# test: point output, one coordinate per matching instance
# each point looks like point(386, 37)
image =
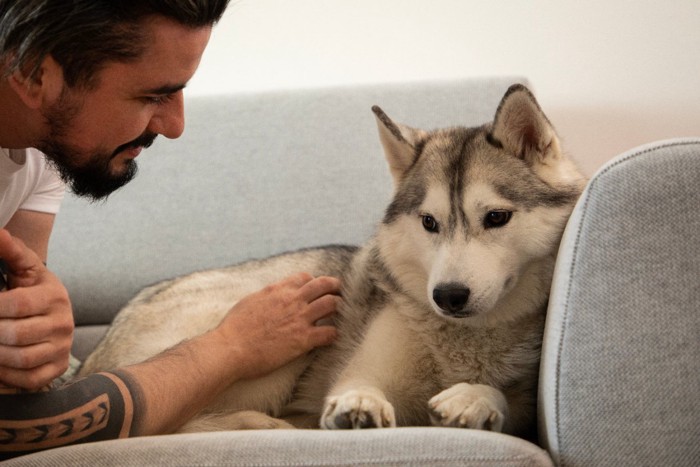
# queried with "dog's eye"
point(496, 219)
point(430, 224)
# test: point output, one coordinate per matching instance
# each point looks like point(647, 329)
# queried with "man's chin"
point(97, 185)
point(100, 175)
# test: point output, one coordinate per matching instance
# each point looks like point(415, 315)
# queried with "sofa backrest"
point(253, 175)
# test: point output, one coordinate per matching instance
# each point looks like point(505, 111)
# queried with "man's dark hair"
point(84, 35)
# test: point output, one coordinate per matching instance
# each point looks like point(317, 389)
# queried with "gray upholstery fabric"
point(620, 380)
point(86, 338)
point(253, 175)
point(385, 447)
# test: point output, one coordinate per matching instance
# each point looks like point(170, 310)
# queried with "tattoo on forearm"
point(135, 407)
point(98, 407)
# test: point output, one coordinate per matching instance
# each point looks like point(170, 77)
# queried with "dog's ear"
point(399, 142)
point(522, 129)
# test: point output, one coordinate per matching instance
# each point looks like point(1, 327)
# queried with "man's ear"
point(43, 86)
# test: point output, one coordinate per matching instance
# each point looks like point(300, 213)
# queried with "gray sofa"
point(258, 174)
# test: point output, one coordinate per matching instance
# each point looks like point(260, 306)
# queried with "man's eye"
point(159, 100)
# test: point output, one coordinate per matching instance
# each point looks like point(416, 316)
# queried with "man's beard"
point(94, 178)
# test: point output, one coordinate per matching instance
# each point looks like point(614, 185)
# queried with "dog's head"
point(476, 211)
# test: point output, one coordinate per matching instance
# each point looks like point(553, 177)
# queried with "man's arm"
point(95, 408)
point(259, 334)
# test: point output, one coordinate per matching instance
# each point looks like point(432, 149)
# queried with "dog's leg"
point(302, 420)
point(469, 406)
point(376, 374)
point(243, 420)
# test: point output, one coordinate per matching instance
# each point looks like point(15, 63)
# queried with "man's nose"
point(169, 118)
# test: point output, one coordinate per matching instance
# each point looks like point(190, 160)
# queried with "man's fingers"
point(32, 330)
point(21, 303)
point(299, 279)
point(323, 307)
point(15, 254)
point(33, 379)
point(319, 287)
point(16, 303)
point(26, 357)
point(322, 335)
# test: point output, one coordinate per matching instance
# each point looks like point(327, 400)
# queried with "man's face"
point(93, 136)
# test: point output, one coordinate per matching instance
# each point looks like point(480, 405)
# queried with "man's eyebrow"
point(166, 89)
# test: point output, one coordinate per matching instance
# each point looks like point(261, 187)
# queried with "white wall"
point(611, 74)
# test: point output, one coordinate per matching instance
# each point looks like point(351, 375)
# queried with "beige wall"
point(611, 74)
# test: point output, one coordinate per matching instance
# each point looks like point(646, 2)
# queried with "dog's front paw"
point(469, 406)
point(358, 408)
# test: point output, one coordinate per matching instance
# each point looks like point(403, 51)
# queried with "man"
point(90, 84)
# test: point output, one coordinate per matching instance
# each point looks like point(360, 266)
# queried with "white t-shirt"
point(27, 182)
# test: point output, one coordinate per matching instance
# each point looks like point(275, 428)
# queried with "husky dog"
point(443, 308)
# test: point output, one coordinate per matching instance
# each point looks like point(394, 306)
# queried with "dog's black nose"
point(451, 298)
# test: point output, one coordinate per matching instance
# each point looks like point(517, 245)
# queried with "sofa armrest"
point(619, 383)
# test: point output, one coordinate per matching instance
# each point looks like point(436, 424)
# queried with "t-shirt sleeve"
point(48, 191)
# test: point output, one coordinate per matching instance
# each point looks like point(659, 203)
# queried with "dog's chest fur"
point(495, 355)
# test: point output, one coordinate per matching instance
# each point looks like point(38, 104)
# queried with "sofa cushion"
point(386, 447)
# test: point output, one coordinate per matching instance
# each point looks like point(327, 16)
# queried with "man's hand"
point(36, 319)
point(280, 322)
point(259, 334)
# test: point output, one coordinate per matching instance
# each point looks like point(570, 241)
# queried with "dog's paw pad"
point(469, 406)
point(366, 408)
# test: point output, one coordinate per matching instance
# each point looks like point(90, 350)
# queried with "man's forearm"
point(178, 383)
point(260, 333)
point(99, 407)
point(153, 397)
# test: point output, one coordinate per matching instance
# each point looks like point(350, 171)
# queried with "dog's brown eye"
point(495, 219)
point(430, 224)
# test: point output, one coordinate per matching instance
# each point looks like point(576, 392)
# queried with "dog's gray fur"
point(443, 308)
